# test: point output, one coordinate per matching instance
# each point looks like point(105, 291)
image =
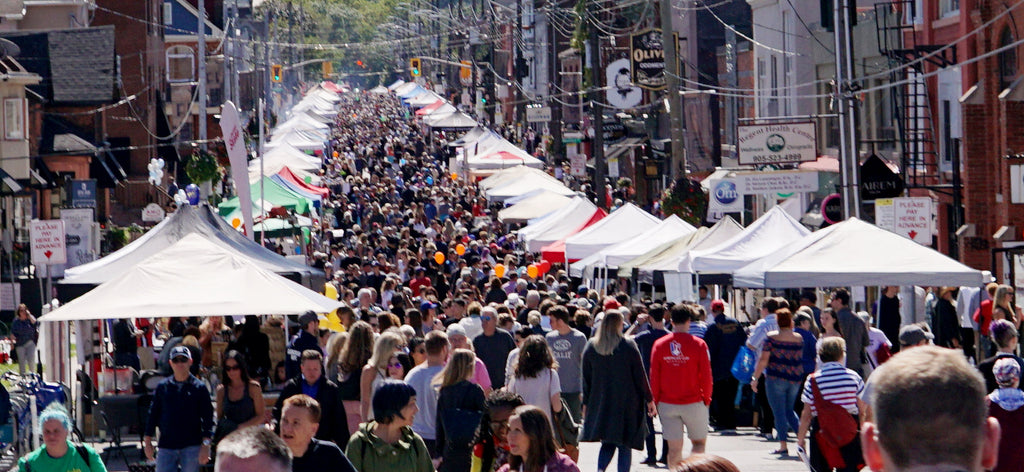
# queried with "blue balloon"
point(192, 192)
point(430, 180)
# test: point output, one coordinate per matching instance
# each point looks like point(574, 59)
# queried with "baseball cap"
point(1006, 371)
point(427, 305)
point(611, 304)
point(717, 305)
point(181, 351)
point(457, 330)
point(913, 334)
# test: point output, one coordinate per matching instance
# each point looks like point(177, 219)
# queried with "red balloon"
point(465, 238)
point(545, 266)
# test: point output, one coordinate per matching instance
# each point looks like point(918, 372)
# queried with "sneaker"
point(650, 461)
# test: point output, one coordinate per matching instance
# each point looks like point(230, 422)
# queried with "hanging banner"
point(647, 59)
point(621, 93)
point(234, 141)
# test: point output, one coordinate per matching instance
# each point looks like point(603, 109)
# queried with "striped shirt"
point(760, 333)
point(698, 329)
point(838, 385)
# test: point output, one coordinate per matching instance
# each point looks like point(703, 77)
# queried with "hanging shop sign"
point(777, 142)
point(621, 93)
point(647, 59)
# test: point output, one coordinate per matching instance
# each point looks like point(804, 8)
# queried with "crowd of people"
point(443, 363)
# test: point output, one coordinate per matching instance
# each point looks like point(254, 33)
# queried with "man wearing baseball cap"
point(308, 338)
point(182, 410)
point(914, 335)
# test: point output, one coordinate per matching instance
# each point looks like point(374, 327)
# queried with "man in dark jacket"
point(334, 424)
point(308, 338)
point(182, 410)
point(724, 338)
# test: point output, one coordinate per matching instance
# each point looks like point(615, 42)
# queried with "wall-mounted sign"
point(783, 182)
point(779, 142)
point(724, 197)
point(538, 114)
point(877, 180)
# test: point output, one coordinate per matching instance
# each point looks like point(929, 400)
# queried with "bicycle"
point(31, 396)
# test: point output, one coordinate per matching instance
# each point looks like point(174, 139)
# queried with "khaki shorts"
point(693, 416)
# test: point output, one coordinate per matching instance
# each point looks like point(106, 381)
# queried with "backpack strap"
point(82, 451)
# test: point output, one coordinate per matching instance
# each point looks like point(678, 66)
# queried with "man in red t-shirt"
point(681, 384)
point(983, 318)
point(419, 281)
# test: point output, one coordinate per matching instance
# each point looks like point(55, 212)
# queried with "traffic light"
point(275, 72)
point(414, 67)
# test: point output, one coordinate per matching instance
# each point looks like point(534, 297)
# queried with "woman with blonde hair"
point(460, 405)
point(1003, 307)
point(357, 350)
point(335, 345)
point(376, 370)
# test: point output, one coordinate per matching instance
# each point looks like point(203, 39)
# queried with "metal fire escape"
point(897, 40)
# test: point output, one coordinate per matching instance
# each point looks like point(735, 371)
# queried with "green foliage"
point(202, 167)
point(686, 199)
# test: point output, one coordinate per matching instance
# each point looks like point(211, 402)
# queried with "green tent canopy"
point(273, 193)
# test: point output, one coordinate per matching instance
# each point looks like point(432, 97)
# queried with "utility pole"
point(598, 120)
point(517, 62)
point(553, 68)
point(201, 31)
point(844, 97)
point(677, 161)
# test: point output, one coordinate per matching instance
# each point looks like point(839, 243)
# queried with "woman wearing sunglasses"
point(239, 398)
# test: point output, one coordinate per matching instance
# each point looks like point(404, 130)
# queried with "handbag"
point(566, 429)
point(743, 365)
point(836, 427)
point(460, 425)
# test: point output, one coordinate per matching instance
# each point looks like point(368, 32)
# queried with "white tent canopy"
point(667, 259)
point(771, 232)
point(510, 174)
point(539, 204)
point(624, 223)
point(558, 225)
point(424, 99)
point(855, 253)
point(526, 184)
point(470, 136)
point(193, 277)
point(670, 229)
point(456, 119)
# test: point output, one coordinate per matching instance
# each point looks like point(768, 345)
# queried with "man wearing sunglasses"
point(183, 411)
point(493, 346)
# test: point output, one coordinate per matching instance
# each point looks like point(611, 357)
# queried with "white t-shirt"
point(537, 391)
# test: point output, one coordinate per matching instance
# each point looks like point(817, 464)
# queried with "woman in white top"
point(536, 376)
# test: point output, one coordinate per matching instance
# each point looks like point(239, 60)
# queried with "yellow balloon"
point(439, 257)
point(330, 291)
point(460, 249)
point(499, 270)
point(235, 223)
point(532, 271)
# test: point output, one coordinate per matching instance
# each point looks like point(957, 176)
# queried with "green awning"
point(273, 193)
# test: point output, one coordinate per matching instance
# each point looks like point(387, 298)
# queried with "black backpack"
point(81, 451)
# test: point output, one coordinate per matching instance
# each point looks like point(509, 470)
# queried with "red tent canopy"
point(287, 174)
point(430, 108)
point(555, 252)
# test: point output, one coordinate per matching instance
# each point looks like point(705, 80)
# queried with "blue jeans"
point(169, 460)
point(782, 398)
point(604, 456)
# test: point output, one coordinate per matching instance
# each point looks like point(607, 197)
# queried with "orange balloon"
point(499, 270)
point(455, 176)
point(235, 222)
point(335, 153)
point(532, 271)
point(439, 257)
point(460, 249)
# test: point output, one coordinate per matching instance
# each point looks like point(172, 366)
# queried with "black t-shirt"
point(322, 455)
